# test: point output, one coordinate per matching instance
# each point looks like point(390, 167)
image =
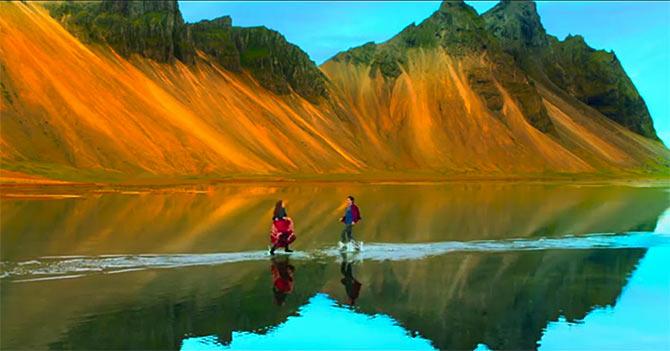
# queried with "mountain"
point(156, 30)
point(119, 90)
point(81, 110)
point(595, 77)
point(459, 31)
point(277, 65)
point(451, 84)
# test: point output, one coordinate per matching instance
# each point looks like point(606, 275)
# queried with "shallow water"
point(458, 266)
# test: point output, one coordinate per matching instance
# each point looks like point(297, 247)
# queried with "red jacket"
point(282, 232)
point(355, 214)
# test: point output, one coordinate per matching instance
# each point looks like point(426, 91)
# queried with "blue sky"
point(638, 32)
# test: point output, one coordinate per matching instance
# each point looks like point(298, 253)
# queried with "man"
point(351, 216)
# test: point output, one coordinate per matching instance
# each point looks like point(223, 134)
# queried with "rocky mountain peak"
point(135, 8)
point(455, 26)
point(516, 24)
point(153, 29)
point(156, 29)
point(448, 5)
point(457, 15)
point(595, 77)
point(275, 63)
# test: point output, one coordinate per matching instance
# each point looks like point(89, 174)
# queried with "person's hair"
point(350, 198)
point(278, 209)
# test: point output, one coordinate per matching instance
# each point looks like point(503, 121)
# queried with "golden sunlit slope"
point(81, 112)
point(89, 108)
point(432, 117)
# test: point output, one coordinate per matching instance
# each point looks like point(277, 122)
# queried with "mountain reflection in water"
point(321, 325)
point(469, 266)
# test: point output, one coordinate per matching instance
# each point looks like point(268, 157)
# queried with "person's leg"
point(349, 229)
point(284, 241)
point(344, 236)
point(272, 250)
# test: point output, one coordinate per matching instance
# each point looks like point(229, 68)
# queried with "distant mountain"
point(118, 90)
point(595, 77)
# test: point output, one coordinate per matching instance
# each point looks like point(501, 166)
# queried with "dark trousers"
point(347, 234)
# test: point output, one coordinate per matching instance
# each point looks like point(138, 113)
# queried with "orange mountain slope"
point(431, 118)
point(76, 111)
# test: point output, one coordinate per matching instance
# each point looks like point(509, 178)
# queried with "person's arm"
point(357, 215)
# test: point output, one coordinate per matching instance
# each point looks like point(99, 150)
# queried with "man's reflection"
point(351, 285)
point(282, 278)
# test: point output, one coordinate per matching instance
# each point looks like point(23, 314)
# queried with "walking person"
point(352, 215)
point(282, 233)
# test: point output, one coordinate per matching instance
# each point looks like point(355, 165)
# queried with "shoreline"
point(35, 182)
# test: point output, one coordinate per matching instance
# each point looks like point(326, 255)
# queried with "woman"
point(282, 233)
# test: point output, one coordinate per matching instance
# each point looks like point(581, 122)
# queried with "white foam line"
point(49, 278)
point(29, 262)
point(384, 251)
point(66, 265)
point(125, 270)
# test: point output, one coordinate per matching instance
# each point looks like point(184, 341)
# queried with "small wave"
point(28, 262)
point(126, 270)
point(49, 278)
point(55, 267)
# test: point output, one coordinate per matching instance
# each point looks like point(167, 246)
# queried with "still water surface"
point(444, 266)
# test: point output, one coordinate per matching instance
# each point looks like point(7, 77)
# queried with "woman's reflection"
point(351, 285)
point(282, 278)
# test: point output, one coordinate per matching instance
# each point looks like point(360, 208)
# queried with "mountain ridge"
point(601, 81)
point(164, 36)
point(425, 104)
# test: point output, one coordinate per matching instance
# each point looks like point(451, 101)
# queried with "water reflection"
point(226, 218)
point(503, 300)
point(440, 270)
point(320, 325)
point(638, 320)
point(351, 285)
point(457, 301)
point(282, 278)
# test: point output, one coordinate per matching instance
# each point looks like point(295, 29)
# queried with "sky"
point(638, 32)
